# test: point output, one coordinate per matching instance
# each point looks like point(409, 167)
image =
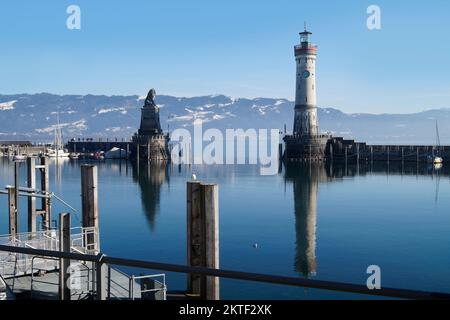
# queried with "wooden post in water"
point(31, 183)
point(12, 205)
point(203, 237)
point(403, 154)
point(64, 264)
point(45, 188)
point(417, 154)
point(16, 195)
point(89, 202)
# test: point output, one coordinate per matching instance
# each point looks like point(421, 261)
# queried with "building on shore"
point(19, 148)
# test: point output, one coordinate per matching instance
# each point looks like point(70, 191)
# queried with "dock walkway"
point(35, 277)
point(44, 286)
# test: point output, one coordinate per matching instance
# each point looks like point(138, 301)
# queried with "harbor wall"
point(341, 150)
point(97, 146)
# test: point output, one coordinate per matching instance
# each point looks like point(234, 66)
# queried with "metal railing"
point(127, 290)
point(309, 46)
point(237, 275)
point(145, 290)
point(83, 241)
point(115, 286)
point(5, 293)
point(79, 291)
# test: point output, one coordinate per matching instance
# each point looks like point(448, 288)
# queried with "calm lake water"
point(327, 223)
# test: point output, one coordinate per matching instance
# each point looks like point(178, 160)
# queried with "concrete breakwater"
point(96, 146)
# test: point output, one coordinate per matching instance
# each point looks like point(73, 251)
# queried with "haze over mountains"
point(34, 117)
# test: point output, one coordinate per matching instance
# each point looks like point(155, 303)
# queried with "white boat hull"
point(19, 158)
point(57, 154)
point(435, 160)
point(64, 155)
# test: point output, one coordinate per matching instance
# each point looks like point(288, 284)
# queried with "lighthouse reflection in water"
point(305, 180)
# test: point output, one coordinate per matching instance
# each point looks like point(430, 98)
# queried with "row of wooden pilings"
point(89, 209)
point(202, 209)
point(89, 202)
point(32, 195)
point(202, 235)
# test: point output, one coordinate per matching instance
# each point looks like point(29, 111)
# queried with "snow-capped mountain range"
point(34, 117)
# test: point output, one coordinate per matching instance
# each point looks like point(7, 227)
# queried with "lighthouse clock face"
point(306, 74)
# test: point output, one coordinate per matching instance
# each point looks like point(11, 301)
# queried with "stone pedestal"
point(306, 148)
point(153, 148)
point(149, 142)
point(149, 121)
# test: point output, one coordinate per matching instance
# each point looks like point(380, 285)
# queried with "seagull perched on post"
point(194, 177)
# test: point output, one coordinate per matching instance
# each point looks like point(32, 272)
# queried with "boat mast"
point(438, 139)
point(55, 139)
point(58, 133)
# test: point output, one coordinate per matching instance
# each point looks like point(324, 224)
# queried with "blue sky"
point(236, 48)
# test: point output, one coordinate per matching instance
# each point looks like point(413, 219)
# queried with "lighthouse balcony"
point(308, 138)
point(305, 48)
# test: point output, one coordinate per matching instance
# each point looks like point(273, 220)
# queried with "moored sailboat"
point(434, 157)
point(57, 150)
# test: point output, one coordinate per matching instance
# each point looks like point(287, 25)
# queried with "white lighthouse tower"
point(306, 143)
point(305, 121)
